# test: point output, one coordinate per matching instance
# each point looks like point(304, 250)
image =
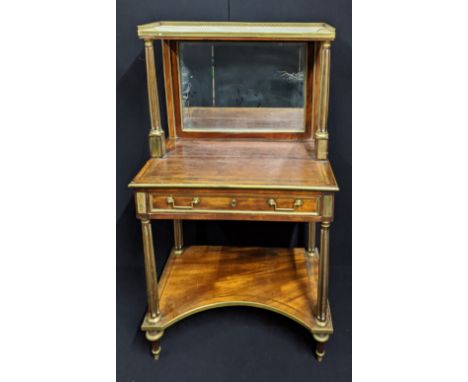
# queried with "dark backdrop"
point(236, 343)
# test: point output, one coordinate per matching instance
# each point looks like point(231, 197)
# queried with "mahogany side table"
point(247, 107)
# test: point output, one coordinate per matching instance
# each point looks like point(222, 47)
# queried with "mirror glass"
point(242, 86)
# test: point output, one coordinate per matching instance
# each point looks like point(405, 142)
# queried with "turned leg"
point(311, 234)
point(154, 336)
point(178, 237)
point(321, 340)
point(153, 315)
point(324, 265)
point(321, 314)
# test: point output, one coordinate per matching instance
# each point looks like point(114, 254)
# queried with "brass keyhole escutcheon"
point(233, 203)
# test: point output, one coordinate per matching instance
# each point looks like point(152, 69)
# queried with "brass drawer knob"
point(272, 203)
point(170, 200)
point(233, 203)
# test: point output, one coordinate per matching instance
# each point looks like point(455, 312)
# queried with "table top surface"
point(239, 163)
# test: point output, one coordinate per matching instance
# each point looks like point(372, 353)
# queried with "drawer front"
point(234, 203)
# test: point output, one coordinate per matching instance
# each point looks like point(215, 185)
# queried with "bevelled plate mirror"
point(243, 87)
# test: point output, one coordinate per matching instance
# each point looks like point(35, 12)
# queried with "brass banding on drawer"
point(307, 205)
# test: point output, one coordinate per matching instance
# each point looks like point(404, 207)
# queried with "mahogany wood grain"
point(234, 204)
point(205, 277)
point(210, 163)
point(230, 30)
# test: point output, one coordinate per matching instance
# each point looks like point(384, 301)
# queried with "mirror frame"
point(171, 67)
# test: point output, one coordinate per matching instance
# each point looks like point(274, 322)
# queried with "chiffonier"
point(247, 139)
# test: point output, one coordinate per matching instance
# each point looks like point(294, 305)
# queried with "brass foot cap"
point(156, 353)
point(319, 356)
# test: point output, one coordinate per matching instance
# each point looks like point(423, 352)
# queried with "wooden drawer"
point(232, 202)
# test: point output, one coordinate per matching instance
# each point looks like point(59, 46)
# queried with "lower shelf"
point(204, 277)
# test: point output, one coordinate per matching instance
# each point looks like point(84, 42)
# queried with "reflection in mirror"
point(242, 86)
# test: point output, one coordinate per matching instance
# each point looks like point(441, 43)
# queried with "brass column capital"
point(326, 225)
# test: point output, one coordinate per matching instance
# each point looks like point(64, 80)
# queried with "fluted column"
point(157, 141)
point(321, 135)
point(311, 235)
point(150, 271)
point(324, 265)
point(178, 237)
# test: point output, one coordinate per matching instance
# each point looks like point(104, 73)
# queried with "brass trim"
point(152, 85)
point(233, 186)
point(311, 238)
point(321, 145)
point(297, 203)
point(244, 212)
point(324, 85)
point(178, 237)
point(140, 202)
point(327, 206)
point(321, 323)
point(157, 142)
point(150, 271)
point(321, 337)
point(319, 355)
point(238, 131)
point(323, 275)
point(154, 335)
point(156, 352)
point(316, 329)
point(321, 135)
point(236, 30)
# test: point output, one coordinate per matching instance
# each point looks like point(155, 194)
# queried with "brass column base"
point(157, 143)
point(321, 145)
